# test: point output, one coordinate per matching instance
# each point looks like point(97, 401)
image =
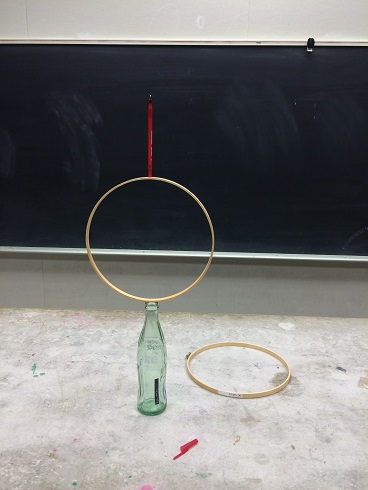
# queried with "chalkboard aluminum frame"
point(162, 42)
point(168, 253)
point(278, 257)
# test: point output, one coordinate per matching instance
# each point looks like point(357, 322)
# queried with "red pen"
point(150, 136)
point(185, 448)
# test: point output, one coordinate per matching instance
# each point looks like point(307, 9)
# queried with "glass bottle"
point(151, 362)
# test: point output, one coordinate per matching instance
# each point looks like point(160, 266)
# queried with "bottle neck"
point(151, 327)
point(151, 312)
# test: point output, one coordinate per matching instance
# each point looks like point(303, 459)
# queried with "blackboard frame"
point(224, 117)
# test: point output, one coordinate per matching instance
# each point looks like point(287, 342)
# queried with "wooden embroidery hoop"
point(132, 296)
point(233, 394)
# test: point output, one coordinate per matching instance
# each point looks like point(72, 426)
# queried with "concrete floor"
point(75, 425)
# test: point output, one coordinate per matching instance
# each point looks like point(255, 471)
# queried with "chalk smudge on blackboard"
point(7, 154)
point(355, 236)
point(259, 126)
point(77, 116)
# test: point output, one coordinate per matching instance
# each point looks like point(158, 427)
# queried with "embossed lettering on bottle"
point(151, 363)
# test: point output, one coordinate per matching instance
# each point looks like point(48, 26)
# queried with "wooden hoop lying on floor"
point(132, 296)
point(233, 394)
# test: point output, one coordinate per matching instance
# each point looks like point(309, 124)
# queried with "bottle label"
point(157, 396)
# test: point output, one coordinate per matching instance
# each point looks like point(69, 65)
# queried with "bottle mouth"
point(151, 305)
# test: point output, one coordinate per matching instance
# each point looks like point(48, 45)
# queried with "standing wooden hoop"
point(234, 394)
point(132, 296)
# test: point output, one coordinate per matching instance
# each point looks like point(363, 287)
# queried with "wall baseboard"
point(233, 286)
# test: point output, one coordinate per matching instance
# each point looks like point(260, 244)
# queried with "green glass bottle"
point(151, 362)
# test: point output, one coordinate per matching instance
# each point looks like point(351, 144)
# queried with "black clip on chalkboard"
point(310, 44)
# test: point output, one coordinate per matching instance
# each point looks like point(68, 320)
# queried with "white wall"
point(185, 20)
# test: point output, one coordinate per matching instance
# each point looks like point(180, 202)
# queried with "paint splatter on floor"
point(363, 382)
point(237, 439)
point(202, 475)
point(34, 367)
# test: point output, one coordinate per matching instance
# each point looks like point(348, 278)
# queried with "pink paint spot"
point(147, 487)
point(81, 324)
